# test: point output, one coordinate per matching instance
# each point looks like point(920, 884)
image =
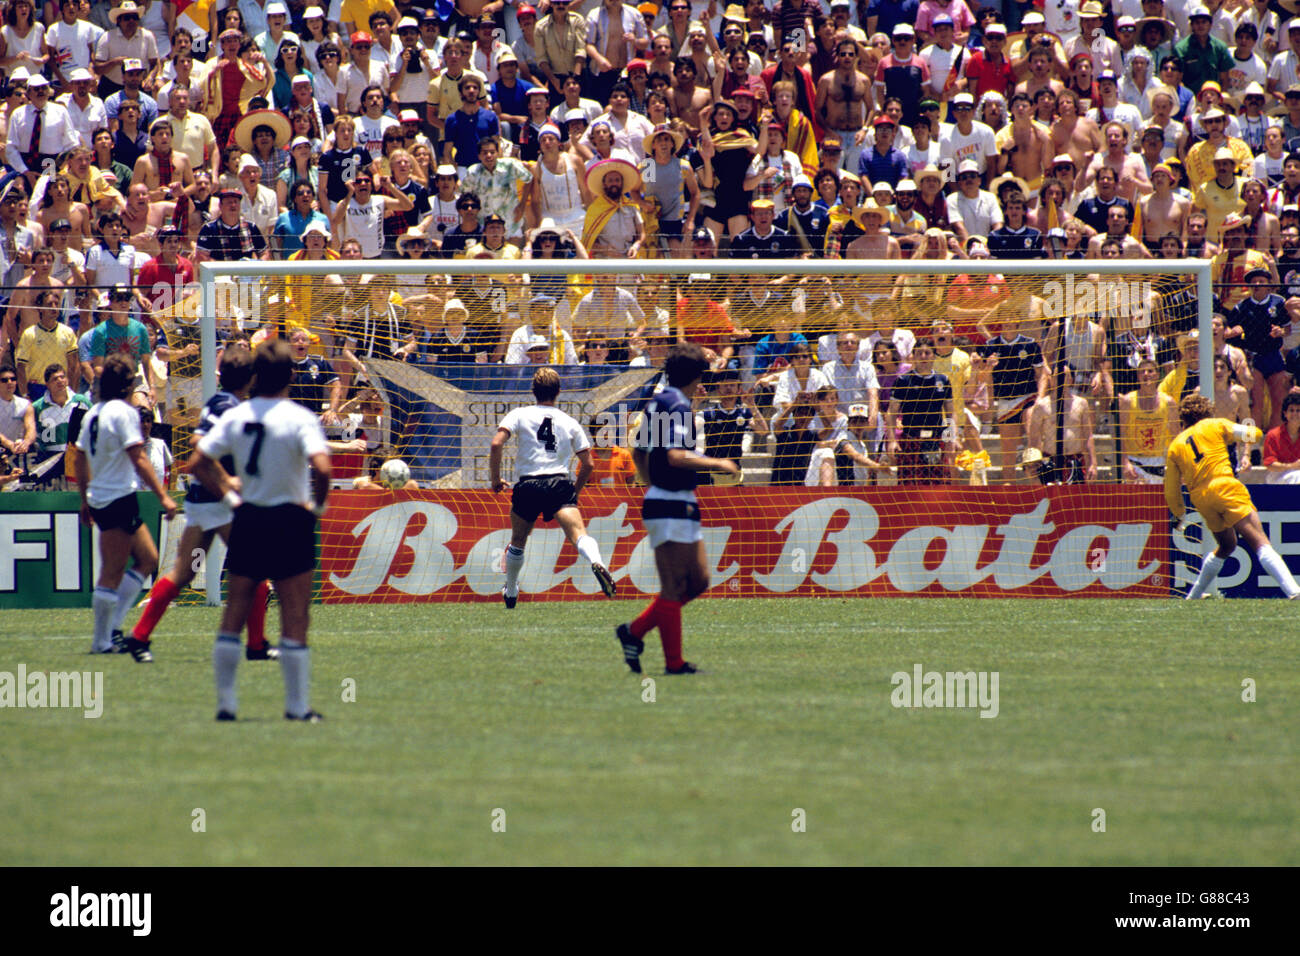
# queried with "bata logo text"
point(834, 543)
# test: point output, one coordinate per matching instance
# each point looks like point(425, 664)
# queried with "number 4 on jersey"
point(546, 435)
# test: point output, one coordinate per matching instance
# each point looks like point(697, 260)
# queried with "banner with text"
point(1096, 541)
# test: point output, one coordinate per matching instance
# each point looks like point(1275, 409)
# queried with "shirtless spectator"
point(164, 171)
point(1075, 462)
point(1025, 144)
point(1164, 211)
point(844, 101)
point(1074, 133)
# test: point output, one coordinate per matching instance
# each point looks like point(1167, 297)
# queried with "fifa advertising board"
point(48, 558)
point(1096, 541)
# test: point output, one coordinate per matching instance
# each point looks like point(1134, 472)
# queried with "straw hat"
point(648, 140)
point(596, 175)
point(128, 6)
point(274, 119)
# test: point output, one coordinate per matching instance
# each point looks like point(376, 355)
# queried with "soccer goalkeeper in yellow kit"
point(1198, 458)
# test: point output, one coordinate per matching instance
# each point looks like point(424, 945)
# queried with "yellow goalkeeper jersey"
point(1198, 458)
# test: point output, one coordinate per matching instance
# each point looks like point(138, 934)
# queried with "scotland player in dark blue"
point(663, 450)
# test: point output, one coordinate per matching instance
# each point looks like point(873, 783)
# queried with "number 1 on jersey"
point(258, 431)
point(545, 434)
point(1196, 452)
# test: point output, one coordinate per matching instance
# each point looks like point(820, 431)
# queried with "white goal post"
point(1050, 269)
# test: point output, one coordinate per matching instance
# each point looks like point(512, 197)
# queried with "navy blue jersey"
point(921, 399)
point(213, 408)
point(1015, 375)
point(669, 423)
point(724, 429)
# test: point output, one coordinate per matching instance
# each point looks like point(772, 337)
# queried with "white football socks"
point(1210, 568)
point(1274, 565)
point(105, 603)
point(295, 665)
point(589, 549)
point(128, 592)
point(225, 661)
point(514, 564)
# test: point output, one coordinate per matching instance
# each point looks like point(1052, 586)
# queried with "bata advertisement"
point(1098, 541)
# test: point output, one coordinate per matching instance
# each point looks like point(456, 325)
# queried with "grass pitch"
point(464, 710)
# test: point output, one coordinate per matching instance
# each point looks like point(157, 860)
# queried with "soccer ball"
point(394, 473)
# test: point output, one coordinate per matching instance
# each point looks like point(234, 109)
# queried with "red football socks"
point(670, 631)
point(162, 594)
point(667, 616)
point(257, 617)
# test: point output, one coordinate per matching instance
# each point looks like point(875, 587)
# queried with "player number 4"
point(545, 434)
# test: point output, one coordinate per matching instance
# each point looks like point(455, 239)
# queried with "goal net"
point(919, 427)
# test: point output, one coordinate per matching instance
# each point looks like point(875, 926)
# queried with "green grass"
point(1134, 707)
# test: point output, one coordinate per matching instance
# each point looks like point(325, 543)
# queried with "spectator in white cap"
point(315, 31)
point(941, 56)
point(968, 139)
point(39, 132)
point(126, 41)
point(1109, 107)
point(277, 19)
point(85, 109)
point(410, 68)
point(132, 71)
point(257, 203)
point(1204, 57)
point(902, 73)
point(302, 167)
point(970, 204)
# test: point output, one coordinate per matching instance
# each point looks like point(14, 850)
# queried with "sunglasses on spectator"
point(968, 176)
point(361, 46)
point(119, 296)
point(471, 205)
point(7, 379)
point(329, 56)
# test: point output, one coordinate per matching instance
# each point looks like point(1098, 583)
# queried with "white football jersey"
point(548, 439)
point(106, 432)
point(272, 441)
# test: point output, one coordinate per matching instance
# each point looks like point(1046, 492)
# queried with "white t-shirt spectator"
point(978, 145)
point(980, 215)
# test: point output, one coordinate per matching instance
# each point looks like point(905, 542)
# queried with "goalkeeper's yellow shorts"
point(1222, 503)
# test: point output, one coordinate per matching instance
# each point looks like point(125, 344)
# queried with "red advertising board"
point(1090, 541)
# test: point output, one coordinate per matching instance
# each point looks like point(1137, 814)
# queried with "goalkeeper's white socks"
point(225, 661)
point(295, 665)
point(1274, 565)
point(1210, 568)
point(589, 549)
point(514, 564)
point(128, 592)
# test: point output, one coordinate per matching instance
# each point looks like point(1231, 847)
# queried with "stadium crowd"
point(141, 138)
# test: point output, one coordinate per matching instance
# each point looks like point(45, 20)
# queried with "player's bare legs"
point(575, 529)
point(683, 570)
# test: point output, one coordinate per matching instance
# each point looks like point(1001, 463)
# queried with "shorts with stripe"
point(668, 519)
point(271, 543)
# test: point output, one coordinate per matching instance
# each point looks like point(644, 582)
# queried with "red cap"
point(524, 8)
point(883, 120)
point(362, 37)
point(633, 65)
